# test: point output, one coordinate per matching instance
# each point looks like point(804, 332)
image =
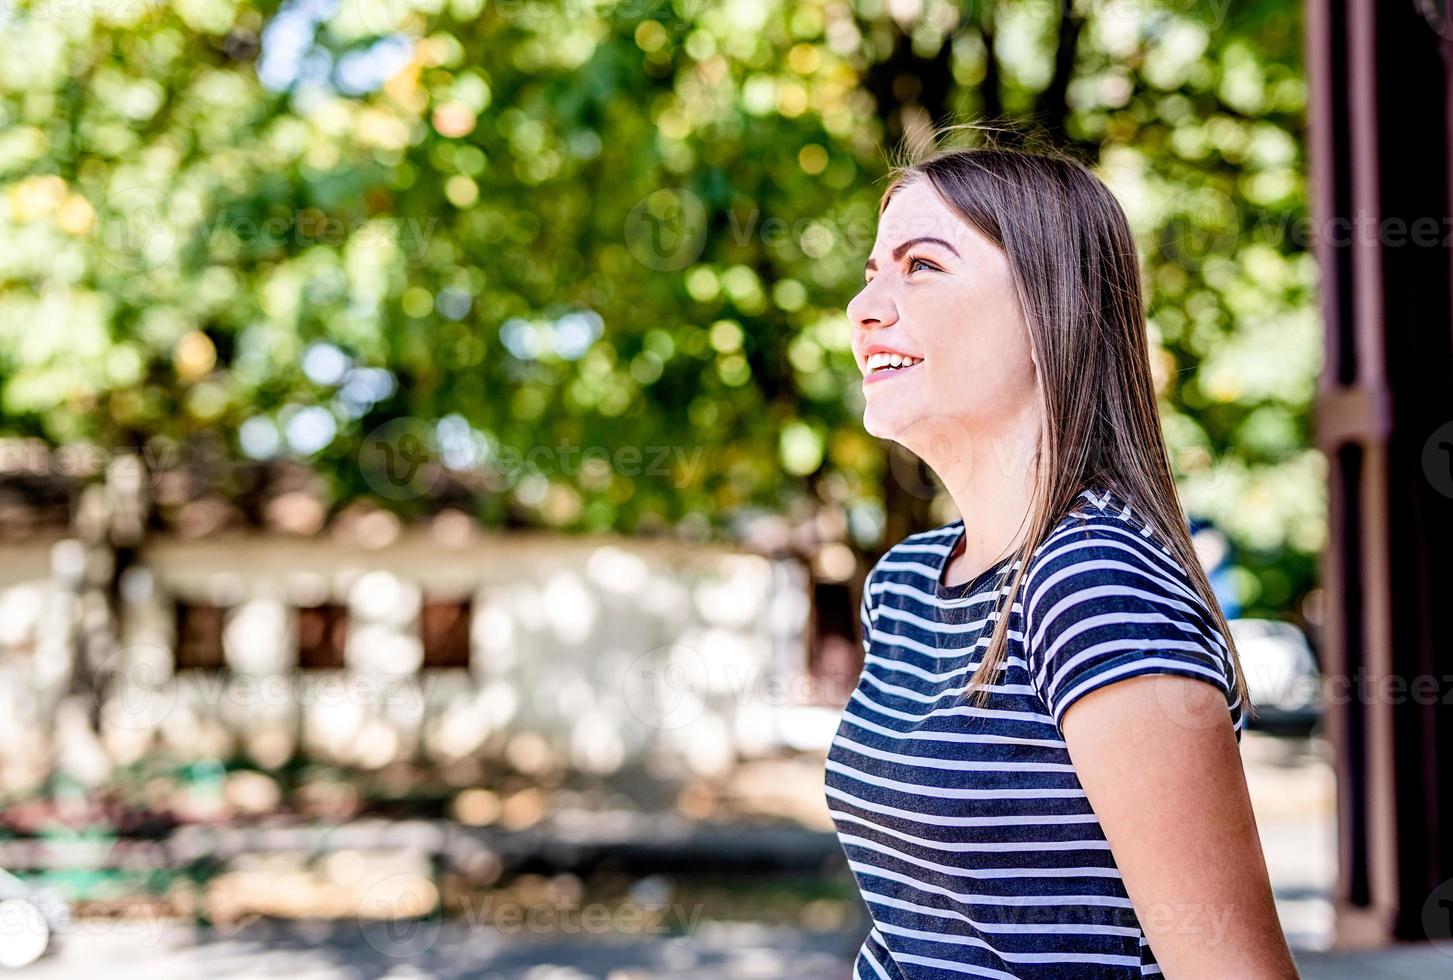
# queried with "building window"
point(444, 629)
point(322, 631)
point(199, 636)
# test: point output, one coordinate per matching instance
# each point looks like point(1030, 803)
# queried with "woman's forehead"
point(915, 212)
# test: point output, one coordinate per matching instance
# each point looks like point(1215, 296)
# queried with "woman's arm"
point(1159, 761)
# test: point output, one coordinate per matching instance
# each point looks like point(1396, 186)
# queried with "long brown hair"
point(1075, 270)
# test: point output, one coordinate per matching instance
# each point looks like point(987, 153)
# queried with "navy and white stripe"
point(966, 828)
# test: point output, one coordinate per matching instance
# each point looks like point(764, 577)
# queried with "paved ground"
point(332, 952)
point(1291, 786)
point(1420, 962)
point(1293, 791)
point(715, 952)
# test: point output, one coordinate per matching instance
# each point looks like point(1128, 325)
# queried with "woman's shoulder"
point(1104, 545)
point(1105, 600)
point(1099, 518)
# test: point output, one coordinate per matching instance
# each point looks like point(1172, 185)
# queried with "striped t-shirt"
point(967, 830)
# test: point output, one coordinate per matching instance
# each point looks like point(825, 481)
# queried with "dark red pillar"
point(1380, 145)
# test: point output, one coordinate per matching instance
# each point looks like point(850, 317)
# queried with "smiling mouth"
point(885, 365)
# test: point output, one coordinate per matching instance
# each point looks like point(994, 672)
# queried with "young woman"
point(1038, 775)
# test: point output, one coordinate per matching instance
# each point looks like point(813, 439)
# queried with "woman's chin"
point(884, 422)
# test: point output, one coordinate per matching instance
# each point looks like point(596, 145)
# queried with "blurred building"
point(364, 643)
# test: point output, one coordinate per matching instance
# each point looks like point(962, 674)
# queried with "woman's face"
point(940, 293)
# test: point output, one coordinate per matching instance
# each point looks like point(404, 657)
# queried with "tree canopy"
point(593, 257)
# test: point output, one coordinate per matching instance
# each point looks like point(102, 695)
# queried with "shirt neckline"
point(972, 586)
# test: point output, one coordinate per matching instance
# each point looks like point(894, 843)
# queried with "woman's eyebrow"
point(902, 247)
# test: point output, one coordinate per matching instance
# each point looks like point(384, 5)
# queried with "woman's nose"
point(871, 308)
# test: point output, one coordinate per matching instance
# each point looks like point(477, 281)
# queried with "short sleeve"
point(1103, 605)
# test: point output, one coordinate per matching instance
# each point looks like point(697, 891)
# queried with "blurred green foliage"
point(602, 249)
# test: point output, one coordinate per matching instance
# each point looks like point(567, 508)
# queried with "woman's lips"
point(883, 375)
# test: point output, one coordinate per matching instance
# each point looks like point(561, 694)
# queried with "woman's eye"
point(913, 261)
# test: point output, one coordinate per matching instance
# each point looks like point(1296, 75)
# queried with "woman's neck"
point(991, 474)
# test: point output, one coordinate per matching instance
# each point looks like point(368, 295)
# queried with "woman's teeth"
point(884, 361)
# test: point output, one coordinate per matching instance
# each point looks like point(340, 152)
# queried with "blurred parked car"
point(29, 917)
point(1281, 674)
